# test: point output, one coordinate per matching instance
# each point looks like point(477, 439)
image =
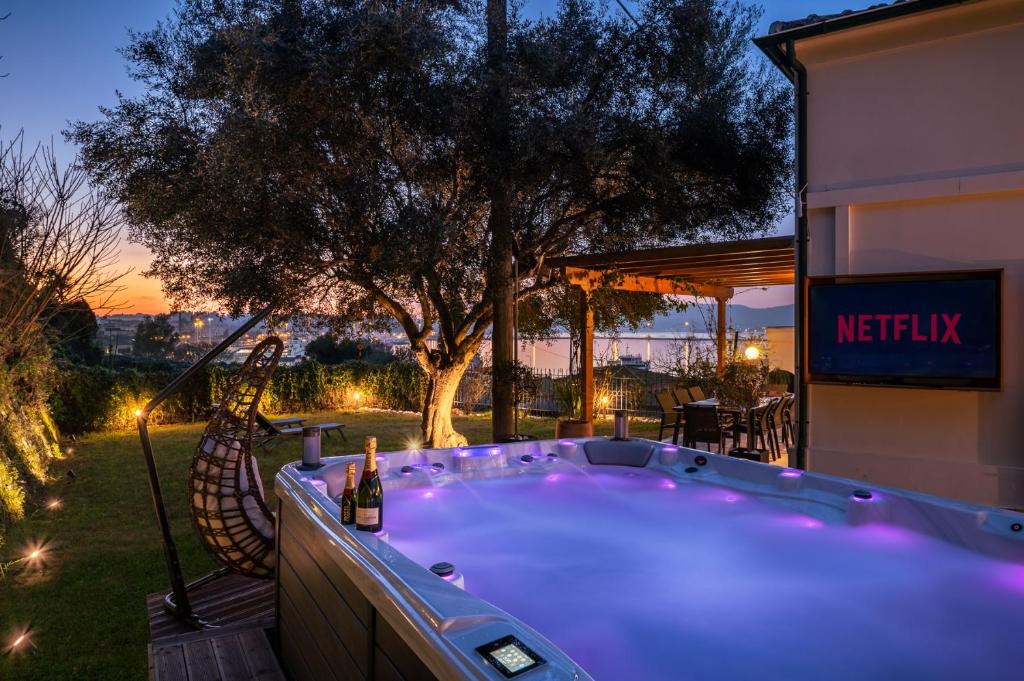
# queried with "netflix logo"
point(933, 329)
point(937, 327)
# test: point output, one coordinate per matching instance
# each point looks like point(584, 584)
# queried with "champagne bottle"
point(348, 497)
point(370, 497)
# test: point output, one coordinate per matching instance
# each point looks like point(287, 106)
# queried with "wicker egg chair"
point(225, 491)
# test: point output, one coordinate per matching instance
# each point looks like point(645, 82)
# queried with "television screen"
point(930, 330)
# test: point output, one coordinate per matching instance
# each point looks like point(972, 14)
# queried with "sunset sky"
point(62, 63)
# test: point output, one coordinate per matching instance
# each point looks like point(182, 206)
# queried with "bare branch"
point(58, 242)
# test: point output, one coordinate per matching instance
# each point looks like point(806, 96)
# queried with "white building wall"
point(916, 163)
point(781, 347)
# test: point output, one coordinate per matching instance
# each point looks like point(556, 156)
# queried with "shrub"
point(780, 376)
point(99, 398)
point(28, 443)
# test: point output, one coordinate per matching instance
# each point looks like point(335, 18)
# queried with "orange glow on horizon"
point(144, 295)
point(140, 295)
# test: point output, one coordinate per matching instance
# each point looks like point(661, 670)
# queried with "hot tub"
point(639, 560)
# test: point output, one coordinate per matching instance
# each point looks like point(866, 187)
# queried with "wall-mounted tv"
point(936, 329)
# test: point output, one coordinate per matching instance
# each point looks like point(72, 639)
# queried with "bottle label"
point(367, 516)
point(346, 513)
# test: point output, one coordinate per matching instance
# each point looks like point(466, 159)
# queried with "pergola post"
point(720, 339)
point(708, 270)
point(586, 321)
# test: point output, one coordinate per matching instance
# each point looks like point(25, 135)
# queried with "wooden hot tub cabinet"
point(327, 627)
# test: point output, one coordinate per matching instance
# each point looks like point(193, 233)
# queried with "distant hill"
point(740, 317)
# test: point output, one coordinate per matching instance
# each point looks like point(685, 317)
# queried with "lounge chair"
point(280, 423)
point(272, 432)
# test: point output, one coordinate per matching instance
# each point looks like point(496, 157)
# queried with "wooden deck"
point(229, 601)
point(237, 650)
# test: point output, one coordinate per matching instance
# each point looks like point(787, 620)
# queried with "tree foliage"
point(71, 330)
point(155, 337)
point(329, 348)
point(333, 156)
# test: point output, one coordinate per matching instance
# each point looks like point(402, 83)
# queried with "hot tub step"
point(239, 655)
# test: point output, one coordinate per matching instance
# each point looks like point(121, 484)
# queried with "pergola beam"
point(589, 280)
point(771, 258)
point(779, 247)
point(708, 270)
point(705, 273)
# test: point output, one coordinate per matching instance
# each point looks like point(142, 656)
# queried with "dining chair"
point(701, 423)
point(682, 395)
point(696, 393)
point(788, 436)
point(761, 417)
point(776, 423)
point(670, 418)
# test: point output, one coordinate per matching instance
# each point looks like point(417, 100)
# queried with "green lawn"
point(86, 607)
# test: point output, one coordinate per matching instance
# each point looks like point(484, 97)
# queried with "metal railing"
point(615, 387)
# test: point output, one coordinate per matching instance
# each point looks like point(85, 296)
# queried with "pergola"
point(709, 270)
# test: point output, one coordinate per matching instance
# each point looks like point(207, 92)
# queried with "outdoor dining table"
point(735, 412)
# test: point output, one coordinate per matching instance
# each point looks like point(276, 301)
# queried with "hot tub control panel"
point(510, 656)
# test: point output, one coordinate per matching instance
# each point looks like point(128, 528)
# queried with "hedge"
point(98, 398)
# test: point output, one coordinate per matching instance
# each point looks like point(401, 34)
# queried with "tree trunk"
point(500, 223)
point(437, 427)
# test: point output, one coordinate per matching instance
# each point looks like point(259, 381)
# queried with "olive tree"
point(336, 157)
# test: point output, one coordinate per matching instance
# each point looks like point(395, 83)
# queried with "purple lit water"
point(639, 576)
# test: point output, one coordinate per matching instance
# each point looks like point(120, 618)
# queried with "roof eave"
point(849, 21)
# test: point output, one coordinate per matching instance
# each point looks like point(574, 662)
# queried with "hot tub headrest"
point(618, 452)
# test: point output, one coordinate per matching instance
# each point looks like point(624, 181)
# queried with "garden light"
point(20, 641)
point(35, 554)
point(752, 352)
point(54, 504)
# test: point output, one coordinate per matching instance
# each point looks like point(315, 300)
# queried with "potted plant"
point(741, 386)
point(570, 423)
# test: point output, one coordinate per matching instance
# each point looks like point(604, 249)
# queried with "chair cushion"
point(216, 506)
